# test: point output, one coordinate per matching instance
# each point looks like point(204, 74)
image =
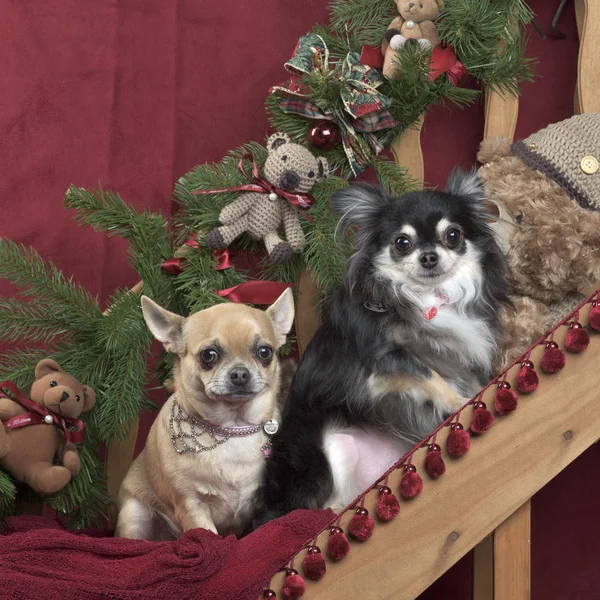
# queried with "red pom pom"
point(505, 399)
point(595, 317)
point(361, 525)
point(434, 462)
point(337, 545)
point(527, 379)
point(459, 440)
point(293, 586)
point(411, 484)
point(553, 359)
point(482, 419)
point(313, 564)
point(388, 506)
point(577, 338)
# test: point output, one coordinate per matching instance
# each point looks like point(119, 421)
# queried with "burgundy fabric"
point(38, 559)
point(134, 93)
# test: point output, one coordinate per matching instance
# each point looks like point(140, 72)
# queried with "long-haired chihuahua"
point(411, 335)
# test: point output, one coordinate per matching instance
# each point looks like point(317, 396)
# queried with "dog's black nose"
point(428, 260)
point(64, 396)
point(239, 376)
point(289, 180)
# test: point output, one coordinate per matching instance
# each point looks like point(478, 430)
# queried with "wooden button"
point(589, 165)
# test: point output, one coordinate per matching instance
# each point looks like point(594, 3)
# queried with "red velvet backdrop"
point(134, 93)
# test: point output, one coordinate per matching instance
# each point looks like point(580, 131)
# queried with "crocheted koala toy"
point(547, 190)
point(413, 25)
point(289, 167)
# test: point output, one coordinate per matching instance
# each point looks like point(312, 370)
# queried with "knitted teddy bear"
point(29, 442)
point(414, 24)
point(289, 167)
point(547, 188)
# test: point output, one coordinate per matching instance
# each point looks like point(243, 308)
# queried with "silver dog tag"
point(271, 427)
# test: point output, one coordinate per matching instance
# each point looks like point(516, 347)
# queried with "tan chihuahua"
point(205, 453)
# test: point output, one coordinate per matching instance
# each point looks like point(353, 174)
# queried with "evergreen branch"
point(393, 178)
point(8, 493)
point(368, 18)
point(18, 365)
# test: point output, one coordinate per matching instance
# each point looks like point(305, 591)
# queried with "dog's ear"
point(360, 204)
point(281, 313)
point(467, 184)
point(166, 327)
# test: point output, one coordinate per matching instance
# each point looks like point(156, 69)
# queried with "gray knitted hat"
point(568, 153)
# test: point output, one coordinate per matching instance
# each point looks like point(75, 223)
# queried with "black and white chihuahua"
point(410, 336)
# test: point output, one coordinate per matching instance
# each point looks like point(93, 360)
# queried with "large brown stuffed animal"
point(290, 167)
point(28, 452)
point(415, 23)
point(548, 190)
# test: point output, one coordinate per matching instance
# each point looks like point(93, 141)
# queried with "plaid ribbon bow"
point(363, 109)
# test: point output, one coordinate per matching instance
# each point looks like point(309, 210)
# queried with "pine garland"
point(111, 351)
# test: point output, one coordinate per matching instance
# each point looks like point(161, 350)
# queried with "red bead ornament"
point(594, 317)
point(459, 440)
point(527, 379)
point(553, 359)
point(411, 484)
point(578, 338)
point(388, 506)
point(269, 595)
point(338, 545)
point(361, 525)
point(293, 585)
point(313, 565)
point(434, 462)
point(324, 135)
point(482, 419)
point(505, 399)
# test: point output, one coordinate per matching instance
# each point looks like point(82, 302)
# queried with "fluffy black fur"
point(330, 386)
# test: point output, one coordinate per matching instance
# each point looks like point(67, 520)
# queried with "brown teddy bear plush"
point(290, 167)
point(547, 188)
point(29, 442)
point(414, 24)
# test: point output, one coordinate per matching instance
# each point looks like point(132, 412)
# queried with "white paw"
point(397, 42)
point(424, 43)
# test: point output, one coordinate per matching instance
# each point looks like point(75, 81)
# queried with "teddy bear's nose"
point(289, 180)
point(411, 4)
point(64, 396)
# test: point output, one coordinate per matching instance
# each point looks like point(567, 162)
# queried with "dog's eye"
point(77, 398)
point(264, 353)
point(284, 157)
point(453, 238)
point(53, 384)
point(209, 356)
point(403, 243)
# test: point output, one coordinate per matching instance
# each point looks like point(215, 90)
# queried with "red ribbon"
point(372, 56)
point(255, 292)
point(443, 60)
point(173, 266)
point(262, 186)
point(37, 414)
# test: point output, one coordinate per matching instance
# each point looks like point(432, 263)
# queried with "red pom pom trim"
point(482, 419)
point(505, 399)
point(527, 378)
point(594, 317)
point(578, 338)
point(361, 525)
point(313, 564)
point(338, 545)
point(411, 484)
point(459, 440)
point(553, 359)
point(388, 506)
point(434, 462)
point(293, 586)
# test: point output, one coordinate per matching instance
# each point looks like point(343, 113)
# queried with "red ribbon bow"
point(37, 415)
point(262, 186)
point(443, 60)
point(255, 292)
point(173, 265)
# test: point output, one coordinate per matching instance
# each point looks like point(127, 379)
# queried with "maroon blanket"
point(40, 560)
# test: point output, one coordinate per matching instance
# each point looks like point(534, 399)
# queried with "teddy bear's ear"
point(45, 367)
point(277, 140)
point(323, 172)
point(89, 398)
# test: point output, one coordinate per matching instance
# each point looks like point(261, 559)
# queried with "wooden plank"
point(588, 68)
point(407, 152)
point(501, 114)
point(483, 569)
point(506, 466)
point(308, 315)
point(512, 556)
